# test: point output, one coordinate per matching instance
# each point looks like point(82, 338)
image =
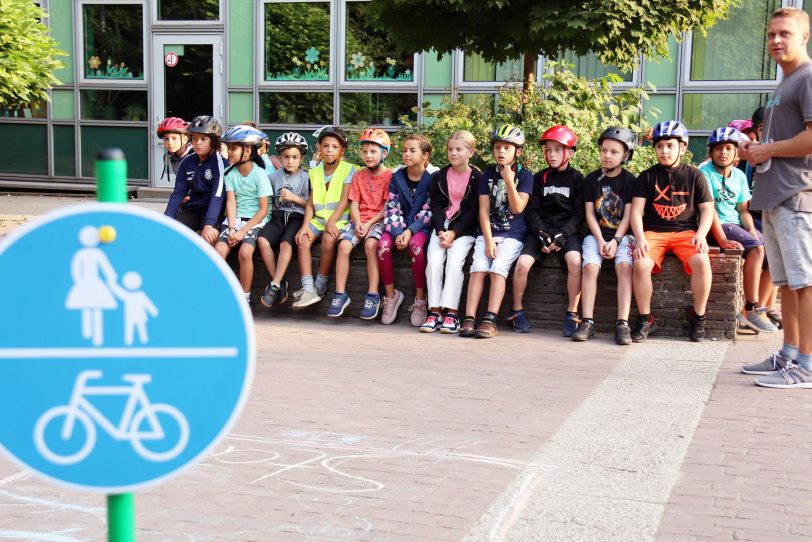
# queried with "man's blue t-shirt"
point(503, 222)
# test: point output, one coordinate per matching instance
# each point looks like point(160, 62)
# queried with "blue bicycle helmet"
point(245, 135)
point(670, 129)
point(725, 135)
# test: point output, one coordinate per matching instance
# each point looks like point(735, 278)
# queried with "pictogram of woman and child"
point(95, 290)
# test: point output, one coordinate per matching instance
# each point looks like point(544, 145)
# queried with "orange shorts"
point(678, 242)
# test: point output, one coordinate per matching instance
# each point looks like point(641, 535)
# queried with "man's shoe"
point(696, 326)
point(390, 307)
point(372, 304)
point(306, 299)
point(623, 333)
point(775, 362)
point(432, 323)
point(419, 312)
point(519, 320)
point(451, 324)
point(487, 329)
point(791, 376)
point(757, 320)
point(584, 331)
point(468, 327)
point(570, 324)
point(643, 328)
point(338, 304)
point(269, 297)
point(281, 293)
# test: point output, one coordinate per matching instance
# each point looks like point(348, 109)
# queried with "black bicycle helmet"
point(622, 135)
point(207, 125)
point(334, 131)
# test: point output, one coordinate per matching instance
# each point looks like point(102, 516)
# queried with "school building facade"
point(298, 65)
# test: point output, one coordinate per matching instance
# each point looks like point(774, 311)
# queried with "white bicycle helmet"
point(291, 139)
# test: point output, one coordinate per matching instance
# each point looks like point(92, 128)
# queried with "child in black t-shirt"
point(608, 194)
point(672, 209)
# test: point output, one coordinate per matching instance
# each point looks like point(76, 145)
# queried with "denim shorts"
point(788, 241)
point(348, 233)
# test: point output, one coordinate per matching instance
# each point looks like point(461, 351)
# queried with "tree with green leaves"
point(617, 31)
point(28, 55)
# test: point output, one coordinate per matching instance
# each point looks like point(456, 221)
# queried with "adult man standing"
point(783, 191)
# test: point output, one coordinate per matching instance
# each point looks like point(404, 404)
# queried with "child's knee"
point(523, 265)
point(699, 263)
point(591, 270)
point(246, 252)
point(345, 247)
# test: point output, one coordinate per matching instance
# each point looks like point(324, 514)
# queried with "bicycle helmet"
point(670, 129)
point(376, 135)
point(172, 125)
point(509, 133)
point(741, 125)
point(725, 135)
point(245, 135)
point(560, 134)
point(289, 140)
point(623, 136)
point(206, 125)
point(334, 131)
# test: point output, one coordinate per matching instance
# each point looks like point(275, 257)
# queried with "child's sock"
point(750, 305)
point(321, 281)
point(697, 316)
point(790, 351)
point(275, 284)
point(805, 361)
point(490, 316)
point(247, 296)
point(646, 317)
point(307, 283)
point(590, 320)
point(622, 323)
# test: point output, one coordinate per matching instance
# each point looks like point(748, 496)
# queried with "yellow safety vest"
point(326, 198)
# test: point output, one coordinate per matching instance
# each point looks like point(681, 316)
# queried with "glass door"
point(188, 82)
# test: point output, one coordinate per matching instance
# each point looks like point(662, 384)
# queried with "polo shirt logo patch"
point(208, 175)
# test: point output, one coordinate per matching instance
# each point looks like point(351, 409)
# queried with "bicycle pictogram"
point(139, 422)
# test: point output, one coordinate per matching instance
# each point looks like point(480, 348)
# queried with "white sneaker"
point(306, 299)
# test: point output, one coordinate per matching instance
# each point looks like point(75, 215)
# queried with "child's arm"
point(289, 196)
point(355, 217)
point(210, 232)
point(393, 212)
point(719, 234)
point(330, 227)
point(592, 223)
point(636, 219)
point(178, 193)
point(517, 201)
point(308, 216)
point(231, 214)
point(485, 225)
point(706, 216)
point(745, 218)
point(377, 217)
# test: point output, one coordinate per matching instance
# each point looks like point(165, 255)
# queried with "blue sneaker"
point(338, 304)
point(570, 324)
point(372, 303)
point(519, 319)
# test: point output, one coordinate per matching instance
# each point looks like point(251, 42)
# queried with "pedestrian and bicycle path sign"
point(126, 347)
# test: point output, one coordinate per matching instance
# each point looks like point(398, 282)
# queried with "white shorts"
point(507, 250)
point(624, 254)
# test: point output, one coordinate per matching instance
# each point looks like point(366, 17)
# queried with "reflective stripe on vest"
point(326, 199)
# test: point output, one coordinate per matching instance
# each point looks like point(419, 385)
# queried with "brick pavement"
point(736, 481)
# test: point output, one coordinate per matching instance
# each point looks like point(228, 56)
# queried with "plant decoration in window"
point(370, 53)
point(110, 71)
point(297, 41)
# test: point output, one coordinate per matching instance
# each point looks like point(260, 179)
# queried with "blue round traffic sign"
point(127, 347)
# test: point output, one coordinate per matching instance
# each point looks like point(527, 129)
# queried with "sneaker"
point(623, 334)
point(643, 328)
point(519, 319)
point(742, 324)
point(759, 322)
point(585, 331)
point(775, 362)
point(298, 294)
point(390, 307)
point(487, 329)
point(451, 324)
point(321, 291)
point(306, 299)
point(432, 323)
point(269, 297)
point(468, 327)
point(775, 317)
point(419, 312)
point(338, 304)
point(792, 375)
point(281, 293)
point(696, 327)
point(372, 304)
point(570, 324)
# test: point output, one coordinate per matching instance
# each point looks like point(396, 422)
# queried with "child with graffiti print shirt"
point(672, 209)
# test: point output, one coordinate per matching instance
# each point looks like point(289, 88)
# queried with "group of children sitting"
point(508, 215)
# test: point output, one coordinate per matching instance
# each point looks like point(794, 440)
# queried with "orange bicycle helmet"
point(376, 135)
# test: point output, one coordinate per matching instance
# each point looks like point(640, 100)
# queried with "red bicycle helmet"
point(172, 125)
point(561, 134)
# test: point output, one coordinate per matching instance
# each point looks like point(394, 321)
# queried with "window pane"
point(297, 41)
point(188, 10)
point(486, 102)
point(710, 111)
point(476, 69)
point(24, 148)
point(64, 150)
point(377, 108)
point(370, 54)
point(113, 105)
point(35, 111)
point(590, 67)
point(114, 41)
point(132, 140)
point(296, 108)
point(735, 49)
